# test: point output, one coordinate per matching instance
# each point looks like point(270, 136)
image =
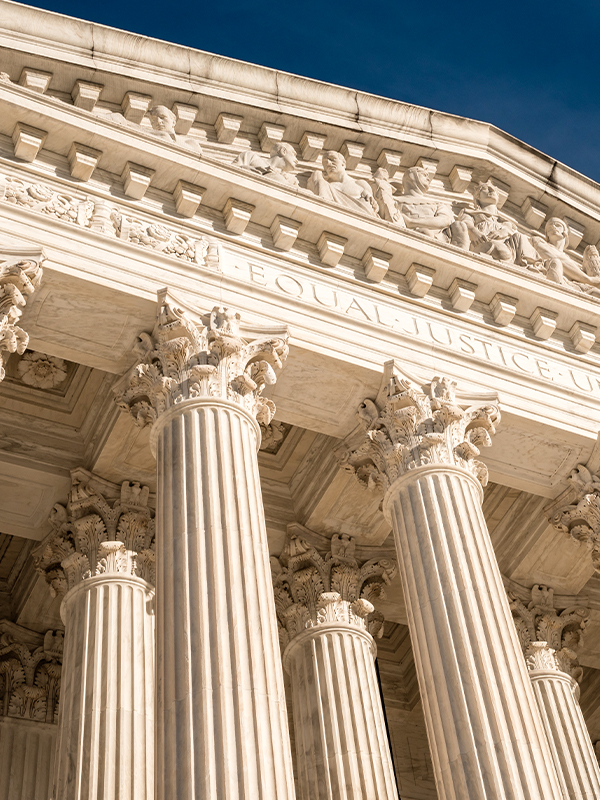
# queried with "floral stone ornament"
point(42, 371)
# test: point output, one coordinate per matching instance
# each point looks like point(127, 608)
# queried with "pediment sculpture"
point(163, 122)
point(558, 266)
point(493, 234)
point(414, 210)
point(334, 184)
point(279, 166)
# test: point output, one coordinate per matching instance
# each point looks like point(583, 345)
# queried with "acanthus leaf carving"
point(577, 511)
point(29, 675)
point(411, 426)
point(20, 276)
point(313, 589)
point(184, 360)
point(549, 636)
point(94, 536)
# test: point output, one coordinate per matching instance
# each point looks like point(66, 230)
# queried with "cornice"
point(96, 49)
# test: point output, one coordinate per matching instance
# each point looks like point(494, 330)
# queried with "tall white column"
point(550, 640)
point(221, 718)
point(100, 554)
point(326, 620)
point(482, 720)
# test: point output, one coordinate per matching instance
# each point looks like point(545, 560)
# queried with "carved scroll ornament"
point(312, 590)
point(415, 426)
point(93, 535)
point(550, 637)
point(185, 360)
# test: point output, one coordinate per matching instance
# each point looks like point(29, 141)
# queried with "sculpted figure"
point(279, 166)
point(163, 122)
point(384, 194)
point(334, 184)
point(559, 266)
point(424, 214)
point(493, 234)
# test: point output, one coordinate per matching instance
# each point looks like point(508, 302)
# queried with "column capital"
point(190, 356)
point(576, 511)
point(410, 426)
point(550, 634)
point(30, 670)
point(103, 530)
point(313, 589)
point(20, 275)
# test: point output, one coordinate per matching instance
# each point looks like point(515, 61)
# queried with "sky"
point(532, 68)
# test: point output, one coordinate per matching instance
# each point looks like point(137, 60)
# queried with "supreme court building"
point(299, 405)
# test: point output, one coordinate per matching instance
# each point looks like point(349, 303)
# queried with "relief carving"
point(418, 212)
point(493, 234)
point(95, 535)
point(185, 360)
point(163, 122)
point(42, 371)
point(158, 237)
point(29, 675)
point(20, 276)
point(279, 166)
point(549, 636)
point(334, 184)
point(41, 198)
point(559, 267)
point(412, 426)
point(577, 511)
point(313, 589)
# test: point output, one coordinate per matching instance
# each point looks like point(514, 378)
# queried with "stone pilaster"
point(100, 554)
point(327, 621)
point(20, 275)
point(550, 641)
point(221, 717)
point(420, 446)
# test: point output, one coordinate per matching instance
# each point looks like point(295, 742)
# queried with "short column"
point(327, 622)
point(419, 448)
point(222, 729)
point(100, 555)
point(550, 640)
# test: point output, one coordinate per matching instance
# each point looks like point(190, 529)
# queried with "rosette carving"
point(410, 426)
point(98, 535)
point(577, 511)
point(550, 636)
point(185, 360)
point(20, 275)
point(313, 589)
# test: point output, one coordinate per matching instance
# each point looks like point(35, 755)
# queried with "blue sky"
point(532, 68)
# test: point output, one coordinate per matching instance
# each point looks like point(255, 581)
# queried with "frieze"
point(407, 323)
point(109, 219)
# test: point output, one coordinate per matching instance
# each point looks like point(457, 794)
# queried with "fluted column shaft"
point(482, 720)
point(341, 739)
point(105, 739)
point(221, 718)
point(557, 696)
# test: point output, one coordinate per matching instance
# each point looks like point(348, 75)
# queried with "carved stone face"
point(556, 230)
point(288, 154)
point(162, 119)
point(417, 178)
point(334, 164)
point(486, 194)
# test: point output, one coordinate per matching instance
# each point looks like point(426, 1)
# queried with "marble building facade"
point(299, 468)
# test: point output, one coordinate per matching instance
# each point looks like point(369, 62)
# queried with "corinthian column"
point(221, 718)
point(419, 447)
point(550, 640)
point(100, 555)
point(20, 275)
point(327, 622)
